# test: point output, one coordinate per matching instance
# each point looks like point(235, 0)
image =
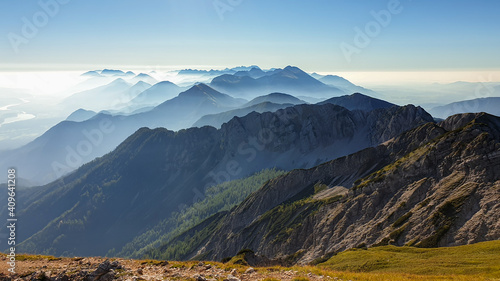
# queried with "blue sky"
point(424, 36)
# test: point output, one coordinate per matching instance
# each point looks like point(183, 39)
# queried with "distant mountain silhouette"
point(255, 73)
point(81, 115)
point(216, 120)
point(278, 98)
point(91, 74)
point(316, 75)
point(358, 101)
point(214, 72)
point(290, 80)
point(68, 145)
point(346, 85)
point(489, 105)
point(109, 96)
point(271, 103)
point(112, 72)
point(143, 77)
point(183, 110)
point(157, 94)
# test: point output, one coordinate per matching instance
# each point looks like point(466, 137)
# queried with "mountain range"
point(432, 186)
point(80, 115)
point(490, 105)
point(153, 172)
point(271, 103)
point(157, 94)
point(144, 78)
point(68, 145)
point(358, 101)
point(259, 167)
point(344, 84)
point(110, 96)
point(255, 72)
point(114, 93)
point(290, 80)
point(275, 101)
point(213, 72)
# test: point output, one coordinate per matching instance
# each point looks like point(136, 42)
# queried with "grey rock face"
point(316, 133)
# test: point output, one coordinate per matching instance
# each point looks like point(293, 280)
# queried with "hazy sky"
point(421, 35)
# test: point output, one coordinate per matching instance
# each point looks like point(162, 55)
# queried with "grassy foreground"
point(478, 260)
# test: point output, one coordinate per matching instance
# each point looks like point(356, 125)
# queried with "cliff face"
point(431, 186)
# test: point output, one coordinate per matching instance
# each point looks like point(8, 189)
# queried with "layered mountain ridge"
point(291, 80)
point(256, 166)
point(68, 145)
point(153, 172)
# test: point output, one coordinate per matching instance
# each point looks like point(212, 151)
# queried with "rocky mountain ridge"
point(435, 185)
point(179, 165)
